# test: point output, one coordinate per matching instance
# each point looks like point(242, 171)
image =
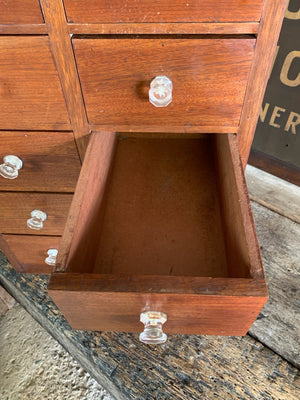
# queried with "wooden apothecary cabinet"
point(160, 227)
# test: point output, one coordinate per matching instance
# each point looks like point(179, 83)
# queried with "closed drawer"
point(20, 12)
point(165, 226)
point(101, 11)
point(50, 161)
point(30, 92)
point(16, 208)
point(209, 78)
point(27, 254)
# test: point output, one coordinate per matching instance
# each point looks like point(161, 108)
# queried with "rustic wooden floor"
point(262, 365)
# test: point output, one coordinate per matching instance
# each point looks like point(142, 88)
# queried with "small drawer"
point(27, 254)
point(49, 161)
point(143, 11)
point(30, 93)
point(20, 12)
point(17, 207)
point(208, 77)
point(160, 225)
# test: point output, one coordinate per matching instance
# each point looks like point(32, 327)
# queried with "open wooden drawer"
point(160, 223)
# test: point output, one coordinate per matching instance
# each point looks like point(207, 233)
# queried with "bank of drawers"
point(33, 116)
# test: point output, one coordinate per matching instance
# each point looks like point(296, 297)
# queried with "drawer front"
point(209, 78)
point(20, 12)
point(30, 92)
point(101, 11)
point(16, 209)
point(50, 161)
point(27, 254)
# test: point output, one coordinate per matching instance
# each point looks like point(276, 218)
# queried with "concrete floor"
point(34, 366)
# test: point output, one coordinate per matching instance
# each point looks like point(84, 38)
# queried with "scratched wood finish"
point(30, 93)
point(20, 12)
point(219, 28)
point(185, 367)
point(209, 79)
point(100, 11)
point(112, 219)
point(17, 206)
point(62, 52)
point(268, 33)
point(50, 161)
point(27, 253)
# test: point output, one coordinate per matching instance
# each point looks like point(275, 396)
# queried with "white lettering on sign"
point(292, 14)
point(276, 114)
point(286, 67)
point(292, 122)
point(278, 118)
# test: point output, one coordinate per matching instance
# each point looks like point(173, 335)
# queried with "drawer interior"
point(169, 207)
point(160, 222)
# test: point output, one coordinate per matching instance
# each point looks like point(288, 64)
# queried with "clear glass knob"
point(160, 93)
point(9, 169)
point(51, 259)
point(36, 220)
point(153, 333)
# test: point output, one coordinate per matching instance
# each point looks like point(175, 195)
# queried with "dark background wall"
point(278, 129)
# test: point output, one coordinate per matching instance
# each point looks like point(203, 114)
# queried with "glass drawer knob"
point(160, 93)
point(51, 259)
point(153, 322)
point(36, 220)
point(9, 169)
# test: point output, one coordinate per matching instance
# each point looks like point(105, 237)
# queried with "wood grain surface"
point(269, 29)
point(205, 28)
point(62, 53)
point(209, 80)
point(23, 29)
point(274, 193)
point(50, 161)
point(16, 208)
point(20, 12)
point(30, 93)
point(27, 253)
point(93, 11)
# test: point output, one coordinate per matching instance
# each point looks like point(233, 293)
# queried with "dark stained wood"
point(269, 29)
point(16, 208)
point(23, 29)
point(139, 220)
point(62, 52)
point(89, 193)
point(209, 80)
point(50, 161)
point(30, 93)
point(27, 253)
point(145, 11)
point(20, 12)
point(275, 166)
point(219, 28)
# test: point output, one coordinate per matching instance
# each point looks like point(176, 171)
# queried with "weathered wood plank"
point(274, 193)
point(278, 325)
